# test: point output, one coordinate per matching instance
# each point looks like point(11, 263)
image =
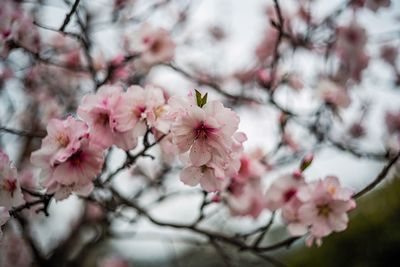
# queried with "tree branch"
point(69, 15)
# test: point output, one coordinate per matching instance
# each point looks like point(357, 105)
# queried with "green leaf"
point(201, 100)
point(204, 100)
point(198, 98)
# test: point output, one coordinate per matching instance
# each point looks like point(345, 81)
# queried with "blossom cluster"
point(315, 208)
point(205, 136)
point(318, 208)
point(244, 194)
point(72, 153)
point(16, 29)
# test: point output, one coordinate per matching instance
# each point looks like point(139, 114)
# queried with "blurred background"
point(219, 40)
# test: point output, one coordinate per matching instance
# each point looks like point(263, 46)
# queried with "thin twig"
point(69, 15)
point(383, 173)
point(22, 132)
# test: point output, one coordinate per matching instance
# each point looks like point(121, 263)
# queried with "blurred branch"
point(131, 159)
point(38, 57)
point(22, 132)
point(380, 176)
point(211, 84)
point(207, 233)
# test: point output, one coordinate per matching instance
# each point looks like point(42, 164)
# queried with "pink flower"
point(374, 5)
point(94, 212)
point(389, 54)
point(265, 49)
point(324, 207)
point(248, 200)
point(99, 111)
point(291, 217)
point(209, 134)
point(4, 217)
point(64, 137)
point(288, 140)
point(334, 94)
point(356, 130)
point(282, 190)
point(68, 158)
point(294, 81)
point(120, 4)
point(351, 39)
point(251, 167)
point(74, 173)
point(114, 262)
point(154, 44)
point(350, 47)
point(392, 120)
point(15, 251)
point(10, 13)
point(120, 70)
point(205, 132)
point(244, 195)
point(10, 189)
point(27, 34)
point(211, 178)
point(142, 109)
point(29, 181)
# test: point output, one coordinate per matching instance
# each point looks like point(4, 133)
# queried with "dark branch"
point(22, 132)
point(69, 15)
point(379, 178)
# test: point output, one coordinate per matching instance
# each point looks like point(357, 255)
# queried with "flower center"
point(76, 158)
point(331, 189)
point(324, 210)
point(289, 194)
point(156, 46)
point(103, 119)
point(202, 131)
point(352, 36)
point(159, 111)
point(203, 168)
point(63, 139)
point(10, 186)
point(137, 111)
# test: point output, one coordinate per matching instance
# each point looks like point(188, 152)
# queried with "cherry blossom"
point(291, 217)
point(114, 262)
point(64, 138)
point(283, 189)
point(390, 54)
point(153, 43)
point(374, 5)
point(142, 109)
point(244, 195)
point(333, 93)
point(324, 207)
point(99, 111)
point(68, 159)
point(10, 189)
point(208, 131)
point(246, 199)
point(392, 120)
point(350, 48)
point(15, 251)
point(210, 177)
point(74, 174)
point(205, 131)
point(16, 29)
